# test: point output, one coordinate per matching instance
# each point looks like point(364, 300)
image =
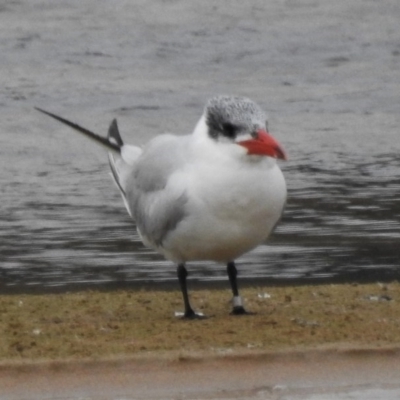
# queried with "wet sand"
point(98, 325)
point(305, 342)
point(316, 374)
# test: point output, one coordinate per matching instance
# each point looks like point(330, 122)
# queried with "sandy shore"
point(295, 374)
point(316, 342)
point(98, 325)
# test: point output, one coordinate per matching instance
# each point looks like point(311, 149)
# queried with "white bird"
point(212, 195)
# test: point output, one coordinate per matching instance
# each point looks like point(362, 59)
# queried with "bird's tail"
point(121, 167)
point(126, 156)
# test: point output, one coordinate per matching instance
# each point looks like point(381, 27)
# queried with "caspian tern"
point(212, 195)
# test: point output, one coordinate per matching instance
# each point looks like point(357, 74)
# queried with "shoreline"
point(98, 324)
point(291, 374)
point(304, 342)
point(174, 357)
point(355, 278)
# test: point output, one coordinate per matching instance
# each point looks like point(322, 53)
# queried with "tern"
point(212, 195)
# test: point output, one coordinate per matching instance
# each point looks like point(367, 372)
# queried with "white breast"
point(233, 205)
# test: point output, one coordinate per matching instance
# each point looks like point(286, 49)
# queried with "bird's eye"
point(229, 130)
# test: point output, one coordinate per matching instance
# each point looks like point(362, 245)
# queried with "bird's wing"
point(146, 179)
point(91, 135)
point(123, 165)
point(155, 191)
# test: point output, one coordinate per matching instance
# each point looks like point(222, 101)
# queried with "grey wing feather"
point(91, 135)
point(157, 207)
point(113, 134)
point(156, 222)
point(116, 174)
point(142, 178)
point(123, 166)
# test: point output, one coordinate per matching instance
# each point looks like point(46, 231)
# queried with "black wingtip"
point(113, 133)
point(45, 112)
point(99, 139)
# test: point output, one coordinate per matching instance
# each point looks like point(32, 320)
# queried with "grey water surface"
point(328, 74)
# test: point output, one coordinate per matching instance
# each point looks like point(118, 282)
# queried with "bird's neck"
point(201, 129)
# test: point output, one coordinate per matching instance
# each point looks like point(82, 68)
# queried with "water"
point(363, 394)
point(328, 73)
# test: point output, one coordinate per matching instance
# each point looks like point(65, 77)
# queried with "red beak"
point(264, 145)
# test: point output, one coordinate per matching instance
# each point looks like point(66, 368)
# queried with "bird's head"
point(240, 121)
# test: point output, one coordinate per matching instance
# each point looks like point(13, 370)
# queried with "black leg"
point(232, 274)
point(238, 308)
point(182, 275)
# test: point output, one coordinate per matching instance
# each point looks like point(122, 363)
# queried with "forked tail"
point(121, 166)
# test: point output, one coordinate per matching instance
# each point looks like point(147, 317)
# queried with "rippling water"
point(328, 75)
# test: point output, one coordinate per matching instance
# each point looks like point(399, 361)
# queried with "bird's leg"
point(182, 275)
point(238, 308)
